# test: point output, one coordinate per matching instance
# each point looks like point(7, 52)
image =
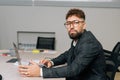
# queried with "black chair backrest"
point(0, 77)
point(46, 43)
point(112, 64)
point(107, 53)
point(117, 48)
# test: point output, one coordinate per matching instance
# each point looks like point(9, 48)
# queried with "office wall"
point(103, 22)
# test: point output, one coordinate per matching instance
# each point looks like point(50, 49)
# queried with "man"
point(85, 59)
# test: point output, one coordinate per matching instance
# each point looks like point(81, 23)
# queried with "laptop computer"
point(17, 54)
point(19, 59)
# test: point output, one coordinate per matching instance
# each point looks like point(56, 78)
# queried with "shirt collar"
point(74, 43)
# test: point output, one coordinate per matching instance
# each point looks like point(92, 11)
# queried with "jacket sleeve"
point(85, 53)
point(61, 59)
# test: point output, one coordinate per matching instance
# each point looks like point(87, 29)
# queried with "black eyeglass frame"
point(74, 23)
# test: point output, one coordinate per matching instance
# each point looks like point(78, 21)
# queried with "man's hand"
point(46, 62)
point(32, 70)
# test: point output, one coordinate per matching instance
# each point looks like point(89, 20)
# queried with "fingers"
point(46, 62)
point(42, 61)
point(31, 62)
point(25, 74)
point(23, 70)
point(23, 66)
point(29, 70)
point(49, 65)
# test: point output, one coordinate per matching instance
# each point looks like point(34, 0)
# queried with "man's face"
point(75, 26)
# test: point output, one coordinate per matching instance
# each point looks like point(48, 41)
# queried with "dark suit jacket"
point(85, 61)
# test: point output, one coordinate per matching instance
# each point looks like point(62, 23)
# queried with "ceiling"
point(63, 3)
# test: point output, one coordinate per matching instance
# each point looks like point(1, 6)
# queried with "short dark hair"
point(77, 12)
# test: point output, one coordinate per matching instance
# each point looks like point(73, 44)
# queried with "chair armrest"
point(107, 53)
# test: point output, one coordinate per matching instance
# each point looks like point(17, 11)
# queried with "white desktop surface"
point(9, 71)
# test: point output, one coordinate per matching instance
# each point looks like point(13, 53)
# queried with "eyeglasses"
point(75, 23)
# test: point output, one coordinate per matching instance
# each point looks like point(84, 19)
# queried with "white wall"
point(103, 22)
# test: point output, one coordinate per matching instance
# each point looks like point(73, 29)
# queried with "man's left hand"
point(32, 70)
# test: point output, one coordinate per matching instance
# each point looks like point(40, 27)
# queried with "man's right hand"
point(46, 62)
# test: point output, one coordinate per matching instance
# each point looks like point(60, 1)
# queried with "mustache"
point(72, 30)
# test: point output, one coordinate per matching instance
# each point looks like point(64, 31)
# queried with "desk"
point(117, 76)
point(9, 71)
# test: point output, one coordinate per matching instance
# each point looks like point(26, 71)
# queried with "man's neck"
point(75, 42)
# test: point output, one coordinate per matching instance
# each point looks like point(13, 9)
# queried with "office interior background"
point(103, 20)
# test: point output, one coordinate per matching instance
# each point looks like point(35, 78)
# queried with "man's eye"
point(68, 23)
point(76, 22)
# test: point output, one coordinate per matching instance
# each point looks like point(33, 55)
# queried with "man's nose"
point(71, 25)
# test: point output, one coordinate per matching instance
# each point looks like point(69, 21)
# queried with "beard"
point(75, 35)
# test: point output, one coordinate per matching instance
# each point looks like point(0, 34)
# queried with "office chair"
point(116, 49)
point(0, 77)
point(112, 64)
point(45, 43)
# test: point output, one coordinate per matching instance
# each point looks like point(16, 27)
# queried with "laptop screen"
point(17, 53)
